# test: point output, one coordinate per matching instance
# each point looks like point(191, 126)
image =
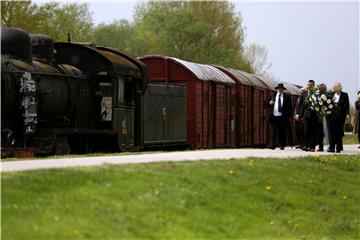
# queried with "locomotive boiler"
point(37, 93)
point(59, 98)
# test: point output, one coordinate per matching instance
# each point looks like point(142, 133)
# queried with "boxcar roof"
point(293, 89)
point(290, 88)
point(270, 83)
point(203, 72)
point(206, 72)
point(245, 78)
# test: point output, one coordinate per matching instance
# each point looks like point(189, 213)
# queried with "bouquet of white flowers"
point(322, 101)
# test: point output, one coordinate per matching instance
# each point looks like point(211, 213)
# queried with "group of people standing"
point(312, 127)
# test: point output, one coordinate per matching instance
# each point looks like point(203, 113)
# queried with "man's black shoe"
point(330, 150)
point(271, 147)
point(282, 148)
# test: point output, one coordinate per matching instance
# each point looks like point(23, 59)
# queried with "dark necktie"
point(279, 104)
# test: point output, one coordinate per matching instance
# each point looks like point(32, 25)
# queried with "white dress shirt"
point(336, 97)
point(276, 112)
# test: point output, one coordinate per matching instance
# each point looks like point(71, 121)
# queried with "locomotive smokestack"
point(69, 37)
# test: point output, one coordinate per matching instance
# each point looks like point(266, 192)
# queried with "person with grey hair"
point(336, 123)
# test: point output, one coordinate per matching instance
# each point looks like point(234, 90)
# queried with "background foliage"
point(204, 32)
point(200, 31)
point(51, 19)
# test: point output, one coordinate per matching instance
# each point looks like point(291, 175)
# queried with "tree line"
point(199, 31)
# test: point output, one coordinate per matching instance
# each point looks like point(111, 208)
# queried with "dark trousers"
point(336, 132)
point(299, 127)
point(358, 128)
point(310, 131)
point(278, 131)
point(320, 134)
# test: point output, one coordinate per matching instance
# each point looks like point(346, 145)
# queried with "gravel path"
point(165, 157)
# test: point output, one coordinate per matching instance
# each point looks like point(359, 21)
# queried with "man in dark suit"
point(309, 117)
point(299, 124)
point(280, 112)
point(336, 123)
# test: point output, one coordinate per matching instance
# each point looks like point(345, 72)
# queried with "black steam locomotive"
point(59, 98)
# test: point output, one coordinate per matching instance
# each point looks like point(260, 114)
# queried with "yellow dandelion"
point(317, 155)
point(251, 163)
point(323, 160)
point(344, 197)
point(268, 187)
point(231, 171)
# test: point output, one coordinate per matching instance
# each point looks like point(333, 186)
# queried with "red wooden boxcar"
point(210, 99)
point(251, 127)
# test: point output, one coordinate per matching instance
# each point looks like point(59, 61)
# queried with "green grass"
point(350, 139)
point(306, 198)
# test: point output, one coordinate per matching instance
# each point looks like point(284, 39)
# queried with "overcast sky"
point(317, 41)
point(305, 40)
